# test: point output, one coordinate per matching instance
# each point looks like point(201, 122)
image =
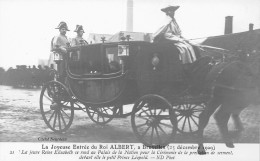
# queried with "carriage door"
point(111, 61)
point(109, 83)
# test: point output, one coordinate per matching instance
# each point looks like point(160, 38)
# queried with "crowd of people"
point(26, 76)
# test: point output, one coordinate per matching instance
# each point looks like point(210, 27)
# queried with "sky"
point(27, 26)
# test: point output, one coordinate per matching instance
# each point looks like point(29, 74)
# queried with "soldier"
point(59, 44)
point(78, 40)
point(171, 32)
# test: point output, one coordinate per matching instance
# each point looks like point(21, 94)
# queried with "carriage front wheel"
point(153, 121)
point(188, 117)
point(56, 106)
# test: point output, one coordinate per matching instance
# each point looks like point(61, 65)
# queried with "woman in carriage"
point(195, 68)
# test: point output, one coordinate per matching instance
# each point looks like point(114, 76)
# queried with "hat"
point(78, 28)
point(170, 8)
point(62, 25)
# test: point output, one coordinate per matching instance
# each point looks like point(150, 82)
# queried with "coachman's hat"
point(170, 8)
point(62, 25)
point(78, 28)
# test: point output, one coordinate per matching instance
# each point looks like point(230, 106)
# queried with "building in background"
point(247, 41)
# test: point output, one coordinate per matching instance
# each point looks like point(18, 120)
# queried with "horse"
point(235, 87)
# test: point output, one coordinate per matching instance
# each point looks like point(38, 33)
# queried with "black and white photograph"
point(129, 80)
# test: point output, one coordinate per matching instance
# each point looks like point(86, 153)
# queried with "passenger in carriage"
point(59, 44)
point(195, 69)
point(172, 32)
point(78, 40)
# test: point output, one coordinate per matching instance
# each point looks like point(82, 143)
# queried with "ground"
point(21, 121)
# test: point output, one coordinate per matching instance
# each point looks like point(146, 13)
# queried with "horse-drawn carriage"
point(101, 79)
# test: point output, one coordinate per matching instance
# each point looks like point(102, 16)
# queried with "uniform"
point(60, 42)
point(78, 40)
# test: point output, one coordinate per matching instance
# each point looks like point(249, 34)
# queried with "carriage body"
point(102, 78)
point(121, 72)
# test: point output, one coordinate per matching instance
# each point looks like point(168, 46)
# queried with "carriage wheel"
point(56, 109)
point(101, 115)
point(188, 117)
point(153, 121)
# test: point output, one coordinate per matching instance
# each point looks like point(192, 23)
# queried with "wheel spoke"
point(145, 111)
point(65, 113)
point(160, 112)
point(63, 120)
point(158, 136)
point(198, 107)
point(55, 118)
point(154, 113)
point(65, 107)
point(93, 113)
point(194, 121)
point(142, 117)
point(97, 117)
point(145, 131)
point(180, 118)
point(151, 138)
point(103, 118)
point(178, 107)
point(167, 125)
point(59, 119)
point(151, 114)
point(77, 104)
point(189, 124)
point(184, 123)
point(105, 110)
point(162, 129)
point(138, 126)
point(184, 106)
point(195, 116)
point(51, 116)
point(197, 110)
point(47, 97)
point(47, 111)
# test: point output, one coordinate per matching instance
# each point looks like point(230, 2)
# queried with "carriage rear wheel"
point(100, 115)
point(153, 121)
point(56, 106)
point(188, 117)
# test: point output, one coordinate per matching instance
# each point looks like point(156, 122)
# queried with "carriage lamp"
point(57, 57)
point(123, 50)
point(155, 61)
